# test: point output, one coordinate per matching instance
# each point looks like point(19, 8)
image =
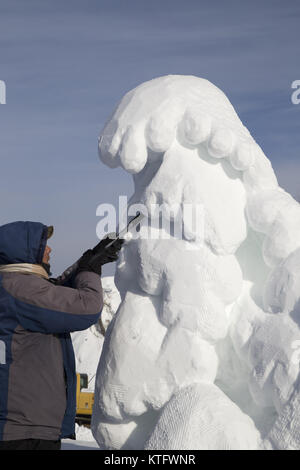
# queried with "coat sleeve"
point(44, 307)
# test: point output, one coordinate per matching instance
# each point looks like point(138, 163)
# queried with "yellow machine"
point(84, 400)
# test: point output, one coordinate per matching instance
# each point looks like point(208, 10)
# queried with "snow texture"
point(84, 440)
point(203, 351)
point(88, 343)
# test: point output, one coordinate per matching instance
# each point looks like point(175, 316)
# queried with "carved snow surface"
point(203, 351)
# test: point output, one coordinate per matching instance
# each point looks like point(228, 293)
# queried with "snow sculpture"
point(202, 352)
point(88, 343)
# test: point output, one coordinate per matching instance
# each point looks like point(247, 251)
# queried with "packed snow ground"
point(84, 440)
point(202, 352)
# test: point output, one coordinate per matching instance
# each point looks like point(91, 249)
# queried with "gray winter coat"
point(37, 365)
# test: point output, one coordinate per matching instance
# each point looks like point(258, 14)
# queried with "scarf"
point(24, 268)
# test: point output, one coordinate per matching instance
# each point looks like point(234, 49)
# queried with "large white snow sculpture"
point(208, 336)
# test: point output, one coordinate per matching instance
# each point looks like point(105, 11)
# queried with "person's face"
point(46, 256)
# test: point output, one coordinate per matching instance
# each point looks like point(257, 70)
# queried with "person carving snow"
point(37, 365)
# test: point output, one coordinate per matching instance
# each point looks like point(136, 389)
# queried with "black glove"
point(100, 248)
point(92, 260)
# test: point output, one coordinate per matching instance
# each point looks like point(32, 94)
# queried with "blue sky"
point(67, 63)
